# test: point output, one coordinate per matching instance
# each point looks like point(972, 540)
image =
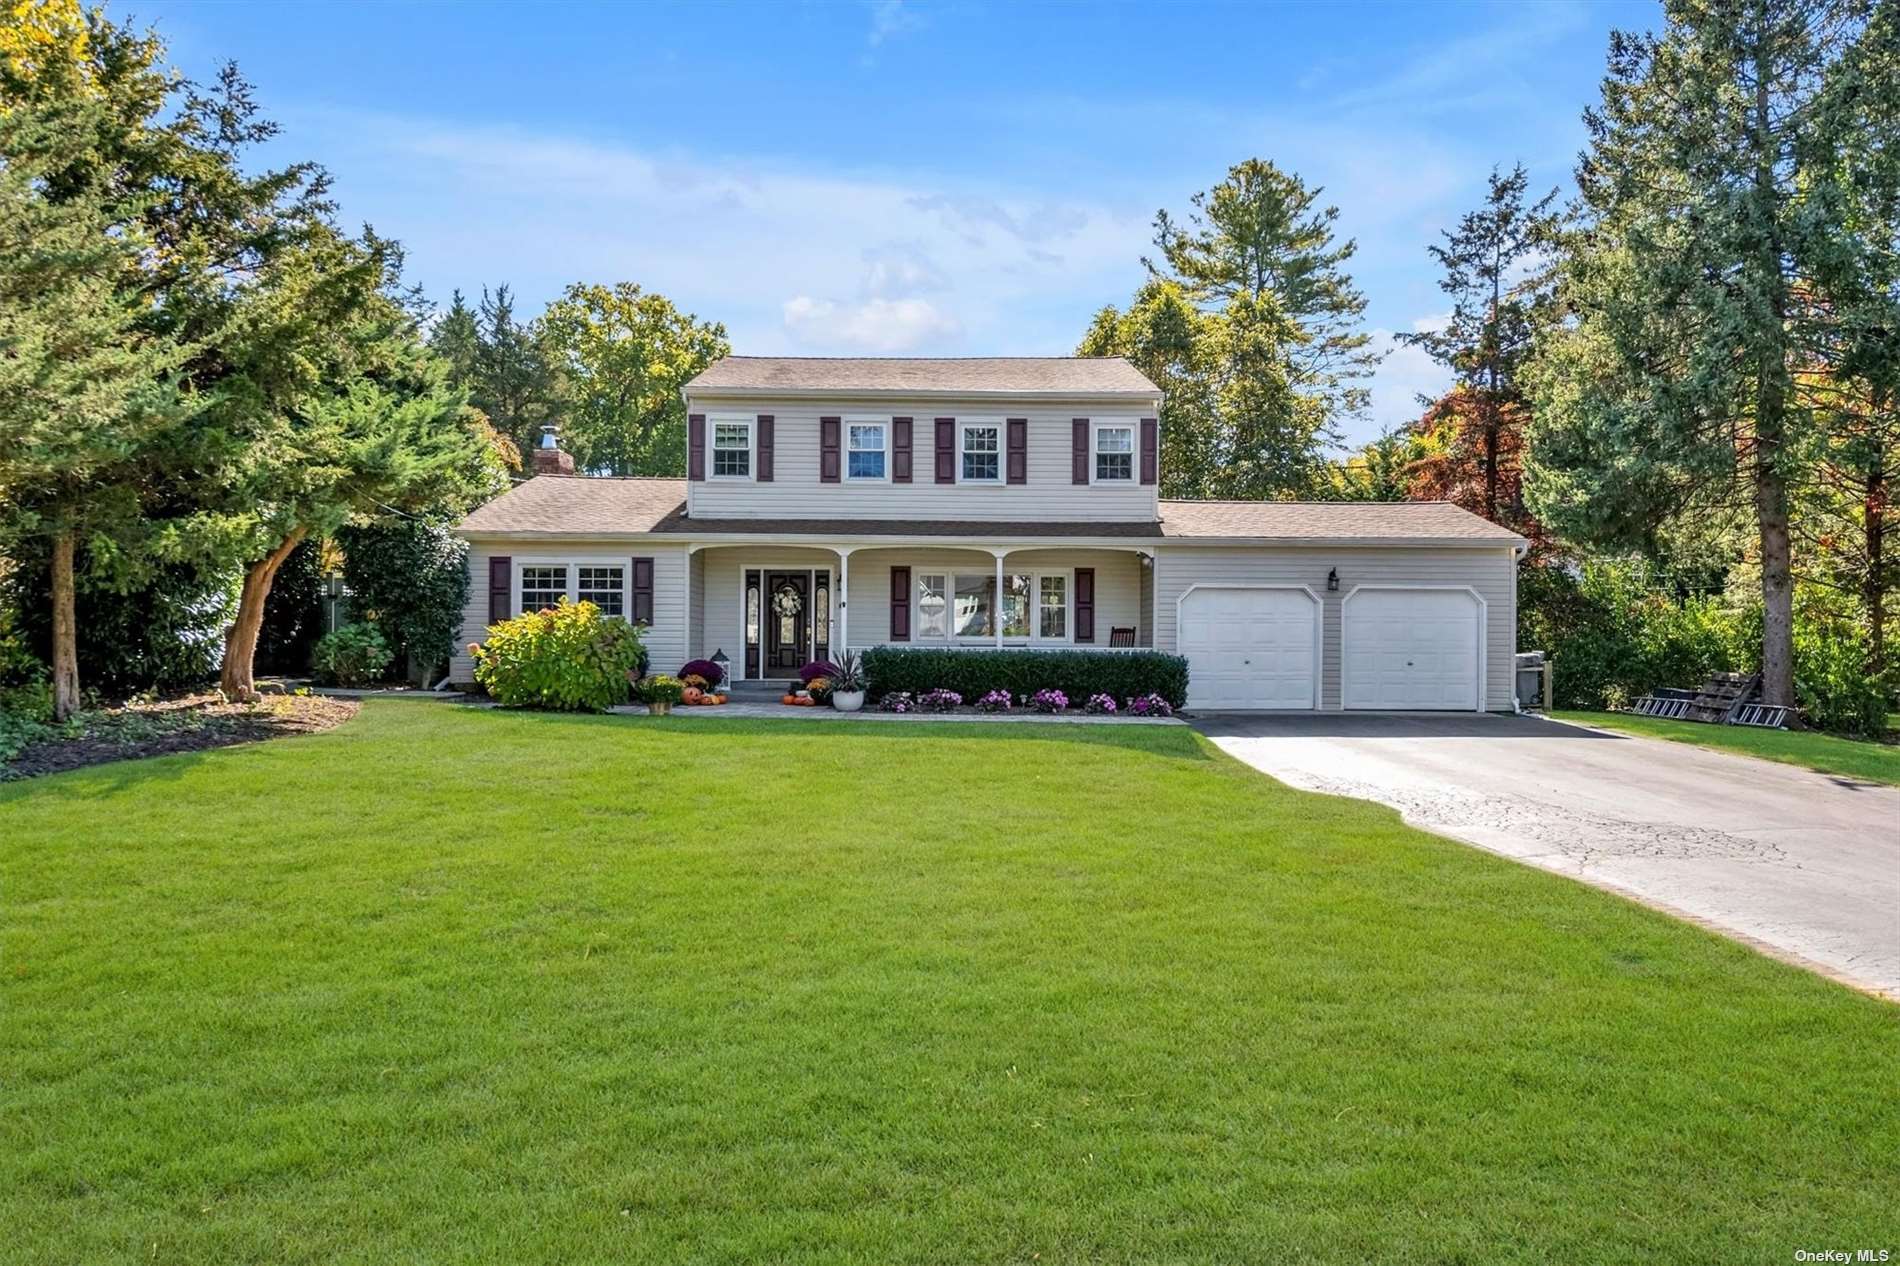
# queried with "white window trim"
point(885, 424)
point(964, 426)
point(751, 449)
point(953, 638)
point(573, 583)
point(1095, 448)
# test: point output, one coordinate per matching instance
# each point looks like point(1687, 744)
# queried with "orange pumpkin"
point(788, 699)
point(690, 694)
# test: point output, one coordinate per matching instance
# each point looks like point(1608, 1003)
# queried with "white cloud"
point(889, 18)
point(1406, 373)
point(875, 325)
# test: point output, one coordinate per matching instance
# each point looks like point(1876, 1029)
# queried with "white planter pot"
point(847, 700)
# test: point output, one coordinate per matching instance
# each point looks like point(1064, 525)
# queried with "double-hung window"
point(605, 587)
point(933, 607)
point(982, 456)
point(867, 450)
point(1052, 607)
point(732, 450)
point(1114, 454)
point(542, 587)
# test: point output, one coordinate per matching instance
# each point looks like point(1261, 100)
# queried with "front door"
point(788, 620)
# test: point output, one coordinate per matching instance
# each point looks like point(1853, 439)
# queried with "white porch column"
point(686, 616)
point(841, 643)
point(996, 611)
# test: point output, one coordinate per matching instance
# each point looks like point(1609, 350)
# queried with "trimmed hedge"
point(974, 673)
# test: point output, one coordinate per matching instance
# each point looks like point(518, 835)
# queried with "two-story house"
point(997, 502)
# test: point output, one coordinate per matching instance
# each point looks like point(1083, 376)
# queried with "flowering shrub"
point(1049, 701)
point(939, 701)
point(708, 672)
point(568, 657)
point(659, 689)
point(817, 668)
point(994, 701)
point(1150, 706)
point(898, 701)
point(1101, 705)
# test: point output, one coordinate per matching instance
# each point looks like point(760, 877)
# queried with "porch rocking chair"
point(1121, 637)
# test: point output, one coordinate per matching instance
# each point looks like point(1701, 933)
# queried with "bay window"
point(965, 606)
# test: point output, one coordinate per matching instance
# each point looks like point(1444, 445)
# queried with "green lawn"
point(453, 986)
point(1850, 758)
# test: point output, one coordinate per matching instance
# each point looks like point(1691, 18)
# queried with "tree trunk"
point(65, 630)
point(240, 641)
point(1777, 578)
point(1874, 584)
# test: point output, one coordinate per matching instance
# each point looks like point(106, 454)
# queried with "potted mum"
point(847, 682)
point(660, 693)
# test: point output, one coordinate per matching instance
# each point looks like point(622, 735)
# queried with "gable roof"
point(580, 506)
point(925, 376)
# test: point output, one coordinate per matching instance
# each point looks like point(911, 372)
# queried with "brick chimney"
point(549, 459)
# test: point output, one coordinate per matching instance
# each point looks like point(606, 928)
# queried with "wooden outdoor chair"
point(1121, 637)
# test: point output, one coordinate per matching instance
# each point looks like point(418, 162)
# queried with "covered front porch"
point(773, 608)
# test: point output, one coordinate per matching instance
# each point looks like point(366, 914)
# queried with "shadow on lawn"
point(1175, 742)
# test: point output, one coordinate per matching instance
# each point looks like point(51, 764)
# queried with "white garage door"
point(1251, 648)
point(1411, 649)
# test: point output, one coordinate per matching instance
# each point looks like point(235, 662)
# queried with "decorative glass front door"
point(787, 620)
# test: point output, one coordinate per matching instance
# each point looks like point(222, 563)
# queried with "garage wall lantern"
point(1332, 581)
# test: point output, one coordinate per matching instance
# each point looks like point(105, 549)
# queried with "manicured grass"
point(448, 985)
point(1850, 758)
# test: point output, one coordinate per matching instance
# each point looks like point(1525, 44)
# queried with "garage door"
point(1250, 648)
point(1411, 649)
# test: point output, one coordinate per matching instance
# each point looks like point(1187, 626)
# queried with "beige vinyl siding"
point(795, 491)
point(1491, 571)
point(665, 641)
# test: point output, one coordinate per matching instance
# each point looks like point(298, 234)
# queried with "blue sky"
point(901, 177)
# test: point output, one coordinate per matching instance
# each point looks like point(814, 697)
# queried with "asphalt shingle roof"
point(574, 505)
point(972, 375)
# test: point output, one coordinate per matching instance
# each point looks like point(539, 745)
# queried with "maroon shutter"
point(1150, 450)
point(695, 446)
point(900, 604)
point(900, 450)
point(1079, 456)
point(1085, 604)
point(946, 450)
point(500, 588)
point(642, 612)
point(828, 463)
point(765, 448)
point(1018, 450)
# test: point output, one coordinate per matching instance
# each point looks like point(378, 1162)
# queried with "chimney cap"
point(550, 436)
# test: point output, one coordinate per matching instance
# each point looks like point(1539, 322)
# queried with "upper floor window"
point(1114, 454)
point(732, 450)
point(982, 458)
point(867, 450)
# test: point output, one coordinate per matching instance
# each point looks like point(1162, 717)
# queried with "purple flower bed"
point(817, 668)
point(994, 701)
point(704, 669)
point(939, 701)
point(1101, 705)
point(898, 701)
point(1049, 701)
point(1150, 706)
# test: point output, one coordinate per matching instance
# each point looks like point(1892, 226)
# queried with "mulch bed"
point(191, 723)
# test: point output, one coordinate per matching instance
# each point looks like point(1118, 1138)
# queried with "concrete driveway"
point(1804, 865)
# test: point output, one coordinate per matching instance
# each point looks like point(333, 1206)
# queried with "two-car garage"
point(1398, 647)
